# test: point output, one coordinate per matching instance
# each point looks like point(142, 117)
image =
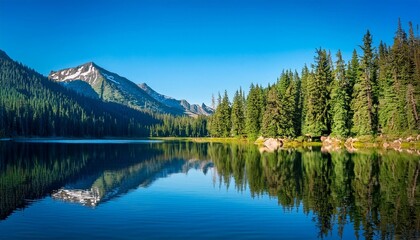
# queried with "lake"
point(67, 189)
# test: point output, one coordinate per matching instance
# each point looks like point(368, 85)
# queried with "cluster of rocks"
point(335, 144)
point(397, 144)
point(269, 144)
point(330, 144)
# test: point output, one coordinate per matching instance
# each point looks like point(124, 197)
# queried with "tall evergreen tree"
point(404, 77)
point(352, 74)
point(297, 92)
point(414, 85)
point(220, 122)
point(271, 117)
point(305, 75)
point(253, 112)
point(390, 116)
point(288, 104)
point(340, 100)
point(317, 120)
point(225, 113)
point(364, 104)
point(238, 115)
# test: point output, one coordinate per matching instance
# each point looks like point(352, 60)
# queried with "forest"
point(376, 92)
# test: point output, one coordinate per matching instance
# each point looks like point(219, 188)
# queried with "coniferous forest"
point(376, 92)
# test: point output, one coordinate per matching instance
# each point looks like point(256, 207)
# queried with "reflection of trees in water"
point(377, 191)
point(28, 172)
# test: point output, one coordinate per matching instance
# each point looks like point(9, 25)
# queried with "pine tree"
point(238, 115)
point(390, 116)
point(253, 112)
point(303, 97)
point(271, 117)
point(297, 92)
point(288, 104)
point(414, 90)
point(317, 121)
point(408, 74)
point(364, 104)
point(225, 113)
point(340, 100)
point(352, 74)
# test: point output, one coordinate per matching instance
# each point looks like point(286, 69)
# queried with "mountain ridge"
point(110, 86)
point(190, 109)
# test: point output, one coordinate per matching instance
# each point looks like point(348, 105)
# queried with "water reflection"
point(376, 192)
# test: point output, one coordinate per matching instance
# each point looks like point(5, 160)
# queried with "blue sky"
point(191, 49)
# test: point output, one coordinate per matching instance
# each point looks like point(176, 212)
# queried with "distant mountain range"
point(183, 105)
point(95, 82)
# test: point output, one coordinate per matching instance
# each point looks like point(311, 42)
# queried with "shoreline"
point(382, 142)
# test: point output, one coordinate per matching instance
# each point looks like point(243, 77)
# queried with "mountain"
point(189, 109)
point(33, 105)
point(109, 86)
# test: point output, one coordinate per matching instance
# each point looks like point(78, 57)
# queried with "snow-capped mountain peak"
point(93, 81)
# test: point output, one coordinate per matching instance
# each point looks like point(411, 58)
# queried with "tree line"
point(376, 92)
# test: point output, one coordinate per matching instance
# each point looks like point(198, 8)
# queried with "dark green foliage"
point(365, 92)
point(340, 100)
point(225, 112)
point(379, 92)
point(220, 122)
point(317, 120)
point(254, 111)
point(399, 84)
point(298, 104)
point(391, 116)
point(288, 107)
point(271, 117)
point(303, 103)
point(353, 73)
point(179, 126)
point(238, 114)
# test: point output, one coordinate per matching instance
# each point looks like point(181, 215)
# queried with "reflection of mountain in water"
point(111, 184)
point(29, 171)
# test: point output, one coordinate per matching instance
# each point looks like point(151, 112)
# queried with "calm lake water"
point(177, 190)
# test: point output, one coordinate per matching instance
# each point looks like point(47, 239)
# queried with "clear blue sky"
point(191, 49)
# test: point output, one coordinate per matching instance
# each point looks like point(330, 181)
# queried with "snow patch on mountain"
point(86, 72)
point(110, 78)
